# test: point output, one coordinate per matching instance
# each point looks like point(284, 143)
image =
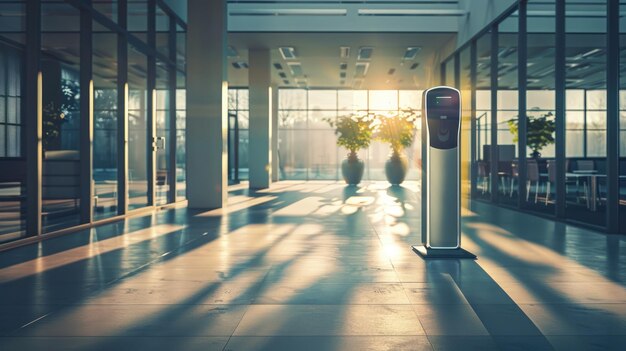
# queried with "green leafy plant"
point(55, 114)
point(353, 132)
point(540, 131)
point(397, 130)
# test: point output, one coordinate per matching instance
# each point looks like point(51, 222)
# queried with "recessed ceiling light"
point(288, 53)
point(411, 52)
point(365, 53)
point(361, 69)
point(296, 68)
point(344, 52)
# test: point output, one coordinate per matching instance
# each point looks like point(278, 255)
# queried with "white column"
point(275, 158)
point(207, 97)
point(260, 91)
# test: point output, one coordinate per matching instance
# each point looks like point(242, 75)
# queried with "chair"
point(514, 175)
point(584, 165)
point(483, 175)
point(551, 178)
point(505, 171)
point(532, 169)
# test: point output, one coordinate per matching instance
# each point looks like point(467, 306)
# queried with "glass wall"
point(181, 112)
point(12, 121)
point(138, 152)
point(622, 123)
point(585, 117)
point(238, 134)
point(104, 121)
point(540, 108)
point(465, 145)
point(307, 142)
point(483, 114)
point(81, 179)
point(163, 117)
point(583, 181)
point(60, 71)
point(508, 116)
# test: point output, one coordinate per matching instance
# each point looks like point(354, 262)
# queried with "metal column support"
point(559, 83)
point(33, 114)
point(474, 131)
point(122, 112)
point(612, 117)
point(86, 117)
point(151, 105)
point(494, 115)
point(522, 58)
point(171, 196)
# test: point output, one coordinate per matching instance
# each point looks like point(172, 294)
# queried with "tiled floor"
point(315, 266)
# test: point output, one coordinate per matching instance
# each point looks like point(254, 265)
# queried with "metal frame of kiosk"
point(441, 192)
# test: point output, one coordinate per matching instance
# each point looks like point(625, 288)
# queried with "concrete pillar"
point(260, 91)
point(275, 158)
point(207, 98)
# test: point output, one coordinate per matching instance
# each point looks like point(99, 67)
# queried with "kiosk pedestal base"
point(428, 254)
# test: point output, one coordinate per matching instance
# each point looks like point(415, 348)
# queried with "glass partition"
point(138, 152)
point(483, 114)
point(508, 116)
point(239, 137)
point(105, 156)
point(465, 143)
point(622, 134)
point(540, 108)
point(12, 122)
point(585, 84)
point(60, 71)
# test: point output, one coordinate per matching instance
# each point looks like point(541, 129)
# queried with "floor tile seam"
point(236, 326)
point(326, 335)
point(321, 304)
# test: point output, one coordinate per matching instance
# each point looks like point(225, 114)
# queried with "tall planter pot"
point(352, 169)
point(396, 168)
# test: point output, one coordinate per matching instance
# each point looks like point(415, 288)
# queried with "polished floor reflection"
point(315, 266)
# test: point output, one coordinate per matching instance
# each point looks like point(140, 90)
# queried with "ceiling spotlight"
point(411, 52)
point(361, 69)
point(288, 53)
point(296, 68)
point(365, 53)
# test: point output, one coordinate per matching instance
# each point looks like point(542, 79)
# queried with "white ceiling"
point(319, 56)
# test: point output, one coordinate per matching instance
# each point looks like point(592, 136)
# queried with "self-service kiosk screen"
point(443, 117)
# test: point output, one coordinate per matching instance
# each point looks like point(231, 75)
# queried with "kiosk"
point(441, 203)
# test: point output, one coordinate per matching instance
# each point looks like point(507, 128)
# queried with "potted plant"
point(398, 131)
point(539, 133)
point(353, 132)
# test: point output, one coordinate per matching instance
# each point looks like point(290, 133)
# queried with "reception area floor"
point(315, 266)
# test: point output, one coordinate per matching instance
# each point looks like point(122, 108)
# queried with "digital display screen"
point(444, 100)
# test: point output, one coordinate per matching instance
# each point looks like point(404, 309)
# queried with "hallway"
point(315, 266)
